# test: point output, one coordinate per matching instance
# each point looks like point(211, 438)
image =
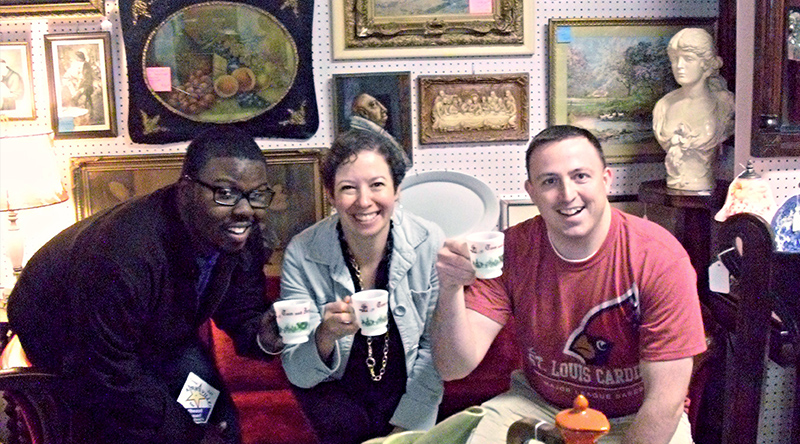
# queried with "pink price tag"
point(159, 78)
point(480, 6)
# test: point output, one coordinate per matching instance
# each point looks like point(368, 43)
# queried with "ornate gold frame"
point(54, 8)
point(431, 87)
point(359, 34)
point(100, 183)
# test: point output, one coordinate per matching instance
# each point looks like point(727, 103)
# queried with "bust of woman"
point(691, 121)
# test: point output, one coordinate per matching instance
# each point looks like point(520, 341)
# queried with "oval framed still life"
point(219, 62)
point(227, 62)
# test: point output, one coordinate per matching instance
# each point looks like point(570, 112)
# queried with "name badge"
point(198, 397)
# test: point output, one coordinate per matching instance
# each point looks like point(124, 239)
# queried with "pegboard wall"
point(497, 164)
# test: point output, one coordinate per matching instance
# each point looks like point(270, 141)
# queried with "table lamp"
point(29, 178)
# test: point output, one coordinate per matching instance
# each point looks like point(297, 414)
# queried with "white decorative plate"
point(457, 202)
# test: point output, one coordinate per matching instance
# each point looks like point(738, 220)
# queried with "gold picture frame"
point(100, 183)
point(475, 108)
point(371, 29)
point(53, 8)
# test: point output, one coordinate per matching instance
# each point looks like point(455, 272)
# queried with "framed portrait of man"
point(379, 103)
point(16, 82)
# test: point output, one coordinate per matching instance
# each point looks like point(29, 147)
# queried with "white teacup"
point(486, 253)
point(294, 318)
point(372, 311)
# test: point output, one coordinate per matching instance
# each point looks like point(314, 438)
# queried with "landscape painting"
point(607, 75)
point(394, 8)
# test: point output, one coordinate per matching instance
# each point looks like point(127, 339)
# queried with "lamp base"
point(15, 243)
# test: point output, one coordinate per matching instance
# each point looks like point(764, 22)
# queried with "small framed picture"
point(16, 82)
point(81, 85)
point(473, 108)
point(379, 103)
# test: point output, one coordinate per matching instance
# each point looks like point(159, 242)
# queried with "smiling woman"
point(368, 244)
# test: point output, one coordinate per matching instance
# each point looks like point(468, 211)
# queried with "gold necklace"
point(370, 360)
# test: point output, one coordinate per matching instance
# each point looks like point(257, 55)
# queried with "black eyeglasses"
point(229, 197)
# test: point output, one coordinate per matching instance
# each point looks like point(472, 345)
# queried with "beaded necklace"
point(359, 285)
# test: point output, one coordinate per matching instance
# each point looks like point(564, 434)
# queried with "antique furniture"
point(759, 319)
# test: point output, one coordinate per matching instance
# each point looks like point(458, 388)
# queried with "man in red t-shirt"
point(605, 304)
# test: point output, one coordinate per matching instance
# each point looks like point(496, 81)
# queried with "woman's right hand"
point(338, 321)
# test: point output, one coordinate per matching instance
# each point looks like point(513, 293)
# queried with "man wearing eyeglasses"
point(114, 302)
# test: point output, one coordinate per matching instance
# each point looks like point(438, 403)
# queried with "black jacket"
point(109, 298)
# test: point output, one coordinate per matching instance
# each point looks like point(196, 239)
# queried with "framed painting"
point(606, 75)
point(16, 82)
point(476, 108)
point(52, 8)
point(379, 103)
point(81, 85)
point(372, 29)
point(193, 65)
point(100, 183)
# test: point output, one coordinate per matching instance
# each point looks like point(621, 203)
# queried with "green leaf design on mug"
point(370, 322)
point(491, 263)
point(294, 328)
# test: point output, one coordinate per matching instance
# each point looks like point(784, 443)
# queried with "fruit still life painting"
point(225, 62)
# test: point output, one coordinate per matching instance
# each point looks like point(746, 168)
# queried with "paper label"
point(480, 6)
point(159, 78)
point(796, 220)
point(719, 278)
point(564, 34)
point(198, 397)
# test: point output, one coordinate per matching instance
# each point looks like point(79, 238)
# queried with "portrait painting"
point(81, 85)
point(379, 103)
point(606, 75)
point(103, 182)
point(479, 108)
point(16, 82)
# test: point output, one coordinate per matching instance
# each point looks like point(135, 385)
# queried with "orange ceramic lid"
point(581, 418)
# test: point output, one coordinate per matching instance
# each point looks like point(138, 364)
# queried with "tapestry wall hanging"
point(193, 65)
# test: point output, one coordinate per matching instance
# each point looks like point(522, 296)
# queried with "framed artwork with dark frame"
point(16, 82)
point(81, 85)
point(473, 108)
point(371, 29)
point(606, 75)
point(100, 183)
point(52, 8)
point(380, 103)
point(193, 65)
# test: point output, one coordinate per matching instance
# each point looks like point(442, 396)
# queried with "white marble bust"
point(692, 121)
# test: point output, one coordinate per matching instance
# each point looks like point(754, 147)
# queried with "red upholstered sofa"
point(269, 414)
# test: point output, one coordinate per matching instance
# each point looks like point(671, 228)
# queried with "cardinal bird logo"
point(589, 342)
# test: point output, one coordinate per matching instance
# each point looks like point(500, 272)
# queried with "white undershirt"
point(572, 261)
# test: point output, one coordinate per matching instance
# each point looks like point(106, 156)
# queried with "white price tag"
point(719, 278)
point(198, 397)
point(796, 220)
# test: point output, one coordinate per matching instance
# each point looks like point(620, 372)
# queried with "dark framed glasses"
point(229, 197)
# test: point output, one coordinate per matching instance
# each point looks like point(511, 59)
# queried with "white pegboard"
point(777, 401)
point(499, 165)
